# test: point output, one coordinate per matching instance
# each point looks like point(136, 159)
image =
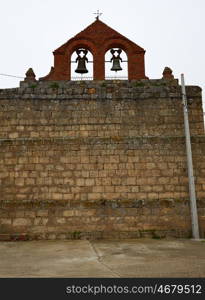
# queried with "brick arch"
point(116, 44)
point(84, 43)
point(135, 56)
point(62, 58)
point(72, 47)
point(72, 50)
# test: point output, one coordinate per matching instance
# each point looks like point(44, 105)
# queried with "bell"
point(116, 65)
point(81, 68)
point(116, 60)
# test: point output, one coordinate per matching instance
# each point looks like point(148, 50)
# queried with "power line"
point(11, 75)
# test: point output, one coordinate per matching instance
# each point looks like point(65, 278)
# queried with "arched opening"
point(116, 64)
point(81, 64)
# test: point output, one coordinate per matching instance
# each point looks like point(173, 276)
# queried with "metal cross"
point(98, 14)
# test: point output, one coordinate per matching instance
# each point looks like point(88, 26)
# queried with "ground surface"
point(124, 258)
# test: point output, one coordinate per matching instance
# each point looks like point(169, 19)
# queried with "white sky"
point(171, 31)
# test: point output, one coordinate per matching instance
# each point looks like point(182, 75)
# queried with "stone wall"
point(98, 159)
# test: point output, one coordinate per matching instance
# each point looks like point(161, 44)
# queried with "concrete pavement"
point(103, 258)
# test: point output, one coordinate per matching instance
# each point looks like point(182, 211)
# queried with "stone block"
point(21, 222)
point(37, 221)
point(131, 181)
point(61, 220)
point(67, 196)
point(89, 182)
point(57, 196)
point(30, 214)
point(13, 135)
point(151, 166)
point(68, 213)
point(42, 213)
point(163, 180)
point(5, 221)
point(91, 91)
point(94, 196)
point(30, 181)
point(19, 181)
point(98, 189)
point(80, 181)
point(19, 214)
point(111, 196)
point(85, 159)
point(152, 196)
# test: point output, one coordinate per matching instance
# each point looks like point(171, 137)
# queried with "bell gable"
point(97, 38)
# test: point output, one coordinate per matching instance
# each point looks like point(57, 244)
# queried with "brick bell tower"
point(97, 38)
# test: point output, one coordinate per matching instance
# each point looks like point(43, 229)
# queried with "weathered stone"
point(42, 213)
point(21, 222)
point(109, 166)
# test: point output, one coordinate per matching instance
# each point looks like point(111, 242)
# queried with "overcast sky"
point(171, 31)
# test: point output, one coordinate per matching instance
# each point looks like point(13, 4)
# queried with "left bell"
point(81, 68)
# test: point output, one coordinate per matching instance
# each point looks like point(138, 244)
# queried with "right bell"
point(116, 65)
point(116, 60)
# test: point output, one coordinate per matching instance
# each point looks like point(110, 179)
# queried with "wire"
point(11, 75)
